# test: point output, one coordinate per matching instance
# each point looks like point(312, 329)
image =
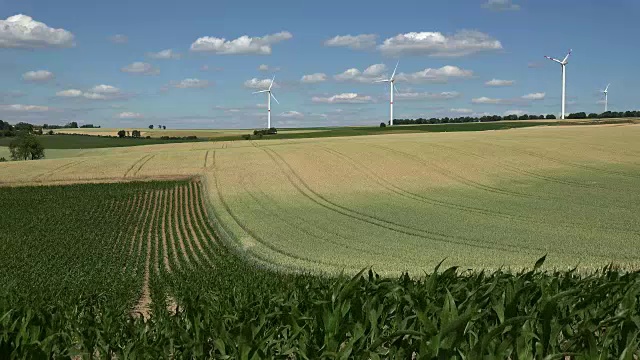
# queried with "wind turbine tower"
point(269, 96)
point(606, 97)
point(563, 63)
point(392, 87)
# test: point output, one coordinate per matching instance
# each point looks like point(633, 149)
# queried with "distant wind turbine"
point(606, 97)
point(269, 96)
point(392, 87)
point(563, 63)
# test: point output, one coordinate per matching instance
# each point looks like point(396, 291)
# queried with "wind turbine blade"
point(553, 59)
point(607, 88)
point(258, 92)
point(396, 89)
point(379, 81)
point(567, 57)
point(274, 98)
point(274, 77)
point(394, 70)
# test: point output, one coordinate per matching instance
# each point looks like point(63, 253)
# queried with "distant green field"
point(90, 142)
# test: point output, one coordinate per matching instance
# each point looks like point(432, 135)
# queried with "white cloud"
point(24, 108)
point(69, 93)
point(119, 39)
point(370, 74)
point(313, 78)
point(141, 68)
point(292, 114)
point(98, 92)
point(267, 68)
point(465, 42)
point(130, 115)
point(356, 42)
point(487, 100)
point(445, 95)
point(500, 5)
point(513, 112)
point(164, 55)
point(441, 75)
point(21, 31)
point(498, 83)
point(242, 45)
point(192, 84)
point(256, 83)
point(461, 111)
point(37, 76)
point(534, 96)
point(346, 98)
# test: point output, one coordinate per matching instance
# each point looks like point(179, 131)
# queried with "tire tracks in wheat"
point(305, 190)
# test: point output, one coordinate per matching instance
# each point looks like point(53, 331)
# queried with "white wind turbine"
point(392, 87)
point(606, 97)
point(269, 96)
point(563, 63)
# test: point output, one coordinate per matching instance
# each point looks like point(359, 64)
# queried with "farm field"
point(138, 270)
point(401, 202)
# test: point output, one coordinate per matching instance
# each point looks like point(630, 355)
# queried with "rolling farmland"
point(401, 202)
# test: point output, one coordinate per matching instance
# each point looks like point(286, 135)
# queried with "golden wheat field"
point(400, 202)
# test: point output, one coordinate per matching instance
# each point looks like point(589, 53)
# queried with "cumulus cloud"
point(372, 73)
point(513, 112)
point(313, 78)
point(141, 68)
point(164, 55)
point(345, 98)
point(21, 31)
point(119, 39)
point(498, 83)
point(461, 111)
point(356, 42)
point(465, 42)
point(534, 96)
point(441, 75)
point(256, 83)
point(445, 95)
point(130, 115)
point(192, 84)
point(501, 5)
point(98, 92)
point(24, 108)
point(292, 114)
point(487, 100)
point(38, 76)
point(242, 45)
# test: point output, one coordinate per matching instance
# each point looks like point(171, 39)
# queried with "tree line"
point(488, 118)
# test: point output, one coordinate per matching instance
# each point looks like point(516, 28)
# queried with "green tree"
point(26, 146)
point(136, 133)
point(122, 133)
point(150, 127)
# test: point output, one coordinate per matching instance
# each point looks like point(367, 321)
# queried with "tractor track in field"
point(47, 174)
point(182, 231)
point(190, 228)
point(564, 162)
point(255, 236)
point(135, 168)
point(198, 221)
point(386, 224)
point(460, 179)
point(486, 212)
point(138, 229)
point(165, 253)
point(300, 227)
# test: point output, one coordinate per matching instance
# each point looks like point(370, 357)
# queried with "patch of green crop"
point(227, 307)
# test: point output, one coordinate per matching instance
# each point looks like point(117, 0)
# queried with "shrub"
point(2, 159)
point(383, 125)
point(246, 137)
point(122, 133)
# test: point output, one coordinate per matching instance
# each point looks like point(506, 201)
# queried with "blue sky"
point(101, 62)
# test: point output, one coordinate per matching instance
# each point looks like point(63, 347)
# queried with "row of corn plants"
point(63, 294)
